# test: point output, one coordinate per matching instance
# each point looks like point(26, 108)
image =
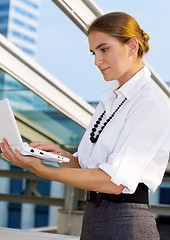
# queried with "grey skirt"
point(119, 221)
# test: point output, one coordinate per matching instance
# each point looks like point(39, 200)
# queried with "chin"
point(109, 79)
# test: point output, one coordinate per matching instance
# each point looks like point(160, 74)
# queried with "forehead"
point(96, 38)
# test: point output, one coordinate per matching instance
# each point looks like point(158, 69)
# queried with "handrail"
point(82, 13)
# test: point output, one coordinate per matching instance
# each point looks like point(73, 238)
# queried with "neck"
point(136, 68)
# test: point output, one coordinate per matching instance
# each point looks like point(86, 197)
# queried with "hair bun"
point(144, 48)
point(145, 36)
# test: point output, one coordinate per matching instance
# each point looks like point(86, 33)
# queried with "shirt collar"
point(131, 87)
point(109, 92)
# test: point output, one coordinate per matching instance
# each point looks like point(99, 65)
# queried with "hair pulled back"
point(123, 27)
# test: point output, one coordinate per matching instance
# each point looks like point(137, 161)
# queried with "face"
point(113, 58)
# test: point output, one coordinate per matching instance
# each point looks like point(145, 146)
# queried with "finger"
point(5, 146)
point(6, 156)
point(17, 159)
point(7, 151)
point(50, 147)
point(26, 162)
point(4, 142)
point(37, 144)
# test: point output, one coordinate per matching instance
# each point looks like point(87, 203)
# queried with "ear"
point(133, 46)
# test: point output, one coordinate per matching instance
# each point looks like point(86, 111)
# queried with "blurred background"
point(48, 74)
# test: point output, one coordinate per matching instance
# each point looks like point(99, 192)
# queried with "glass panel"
point(38, 111)
point(23, 37)
point(24, 25)
point(30, 3)
point(25, 13)
point(4, 19)
point(4, 6)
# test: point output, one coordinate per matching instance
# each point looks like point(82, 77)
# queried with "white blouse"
point(134, 146)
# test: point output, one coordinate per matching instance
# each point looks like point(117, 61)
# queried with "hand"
point(49, 147)
point(52, 148)
point(30, 163)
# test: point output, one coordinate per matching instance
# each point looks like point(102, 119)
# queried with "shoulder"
point(151, 96)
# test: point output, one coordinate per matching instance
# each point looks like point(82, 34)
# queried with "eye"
point(92, 53)
point(104, 49)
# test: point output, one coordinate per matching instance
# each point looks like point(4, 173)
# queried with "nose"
point(98, 60)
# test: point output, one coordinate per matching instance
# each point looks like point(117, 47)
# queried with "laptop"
point(10, 131)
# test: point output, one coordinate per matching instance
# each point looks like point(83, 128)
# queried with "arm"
point(90, 179)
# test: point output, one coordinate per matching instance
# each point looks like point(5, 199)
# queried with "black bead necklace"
point(94, 138)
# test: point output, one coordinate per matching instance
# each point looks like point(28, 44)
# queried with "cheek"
point(123, 59)
point(116, 60)
point(113, 58)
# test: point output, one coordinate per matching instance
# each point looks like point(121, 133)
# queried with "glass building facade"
point(19, 20)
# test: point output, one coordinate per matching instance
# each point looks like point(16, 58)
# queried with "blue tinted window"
point(25, 13)
point(4, 6)
point(3, 31)
point(14, 213)
point(164, 195)
point(24, 37)
point(30, 3)
point(3, 19)
point(42, 212)
point(26, 50)
point(25, 25)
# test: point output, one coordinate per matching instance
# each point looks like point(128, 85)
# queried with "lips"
point(103, 70)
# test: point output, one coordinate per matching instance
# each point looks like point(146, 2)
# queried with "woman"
point(124, 151)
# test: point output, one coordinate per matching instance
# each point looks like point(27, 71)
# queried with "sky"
point(64, 52)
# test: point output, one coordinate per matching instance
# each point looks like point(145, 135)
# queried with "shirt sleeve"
point(144, 132)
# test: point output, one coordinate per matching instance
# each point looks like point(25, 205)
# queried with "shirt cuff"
point(123, 170)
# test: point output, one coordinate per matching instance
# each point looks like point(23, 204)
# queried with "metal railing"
point(30, 194)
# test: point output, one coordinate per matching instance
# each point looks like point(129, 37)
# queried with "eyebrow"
point(100, 45)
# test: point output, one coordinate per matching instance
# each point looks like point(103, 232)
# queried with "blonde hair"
point(123, 27)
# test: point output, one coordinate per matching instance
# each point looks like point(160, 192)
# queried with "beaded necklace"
point(94, 138)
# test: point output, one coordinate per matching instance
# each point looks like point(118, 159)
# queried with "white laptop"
point(10, 131)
